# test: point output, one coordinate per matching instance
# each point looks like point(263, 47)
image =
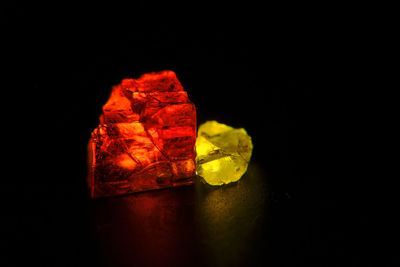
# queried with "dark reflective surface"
point(286, 79)
point(191, 225)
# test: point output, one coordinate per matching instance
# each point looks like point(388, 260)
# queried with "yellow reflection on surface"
point(231, 215)
point(202, 224)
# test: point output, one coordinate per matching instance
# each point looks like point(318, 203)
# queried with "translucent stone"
point(145, 139)
point(223, 153)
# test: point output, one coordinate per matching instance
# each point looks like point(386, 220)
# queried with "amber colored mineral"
point(223, 153)
point(146, 137)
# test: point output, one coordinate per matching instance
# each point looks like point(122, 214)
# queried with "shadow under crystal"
point(196, 225)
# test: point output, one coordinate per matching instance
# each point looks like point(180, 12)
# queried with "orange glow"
point(126, 162)
point(145, 139)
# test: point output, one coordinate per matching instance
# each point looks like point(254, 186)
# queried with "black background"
point(279, 73)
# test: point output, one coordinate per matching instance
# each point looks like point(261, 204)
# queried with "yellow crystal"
point(223, 153)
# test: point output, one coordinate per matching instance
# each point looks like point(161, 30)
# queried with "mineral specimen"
point(146, 137)
point(223, 153)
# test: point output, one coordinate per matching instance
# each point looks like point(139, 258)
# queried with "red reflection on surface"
point(146, 137)
point(146, 229)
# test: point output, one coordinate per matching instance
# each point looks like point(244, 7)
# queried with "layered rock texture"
point(146, 137)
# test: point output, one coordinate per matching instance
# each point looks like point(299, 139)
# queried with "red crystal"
point(146, 137)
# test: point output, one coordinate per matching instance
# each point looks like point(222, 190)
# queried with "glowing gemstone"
point(146, 137)
point(223, 153)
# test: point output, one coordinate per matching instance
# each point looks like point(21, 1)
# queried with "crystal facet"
point(223, 153)
point(146, 137)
